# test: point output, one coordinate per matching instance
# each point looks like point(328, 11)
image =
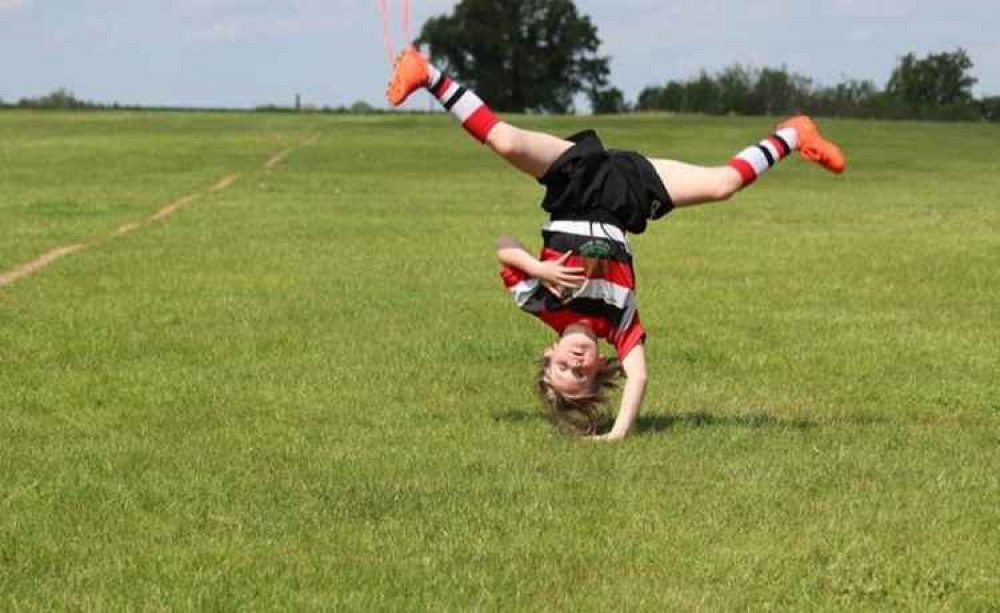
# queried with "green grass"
point(310, 391)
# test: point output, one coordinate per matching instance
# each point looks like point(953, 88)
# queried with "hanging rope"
point(390, 50)
point(386, 37)
point(406, 23)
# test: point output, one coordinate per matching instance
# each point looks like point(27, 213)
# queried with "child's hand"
point(557, 276)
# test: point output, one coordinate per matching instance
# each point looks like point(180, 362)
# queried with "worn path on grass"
point(47, 258)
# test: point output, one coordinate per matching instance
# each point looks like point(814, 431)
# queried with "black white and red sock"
point(476, 117)
point(757, 159)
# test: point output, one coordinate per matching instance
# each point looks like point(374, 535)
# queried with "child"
point(582, 284)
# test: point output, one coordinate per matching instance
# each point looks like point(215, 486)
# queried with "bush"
point(59, 99)
point(989, 108)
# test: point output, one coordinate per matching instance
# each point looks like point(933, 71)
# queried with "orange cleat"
point(813, 146)
point(409, 74)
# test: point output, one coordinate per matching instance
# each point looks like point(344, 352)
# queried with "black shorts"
point(591, 183)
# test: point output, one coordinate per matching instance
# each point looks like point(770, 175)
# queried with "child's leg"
point(531, 152)
point(689, 184)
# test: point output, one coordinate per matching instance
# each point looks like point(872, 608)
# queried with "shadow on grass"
point(652, 424)
point(516, 416)
point(703, 419)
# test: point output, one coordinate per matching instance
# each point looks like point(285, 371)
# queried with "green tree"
point(990, 108)
point(670, 97)
point(520, 55)
point(61, 98)
point(936, 81)
point(361, 107)
point(850, 98)
point(735, 84)
point(778, 92)
point(608, 101)
point(702, 94)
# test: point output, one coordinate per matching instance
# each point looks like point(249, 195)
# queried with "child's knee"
point(503, 142)
point(724, 191)
point(727, 185)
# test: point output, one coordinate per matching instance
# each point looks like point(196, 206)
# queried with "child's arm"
point(634, 365)
point(553, 273)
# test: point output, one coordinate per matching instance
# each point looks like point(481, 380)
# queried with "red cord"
point(390, 51)
point(406, 22)
point(386, 37)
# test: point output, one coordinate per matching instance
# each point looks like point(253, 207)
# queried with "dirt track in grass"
point(43, 261)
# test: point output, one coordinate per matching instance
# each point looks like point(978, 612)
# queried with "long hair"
point(581, 415)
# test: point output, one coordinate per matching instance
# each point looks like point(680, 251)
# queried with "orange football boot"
point(813, 146)
point(409, 74)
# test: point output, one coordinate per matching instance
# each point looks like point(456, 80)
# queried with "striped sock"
point(476, 117)
point(757, 159)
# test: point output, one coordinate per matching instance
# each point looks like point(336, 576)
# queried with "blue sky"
point(242, 53)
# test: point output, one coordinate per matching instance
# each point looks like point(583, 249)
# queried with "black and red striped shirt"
point(606, 302)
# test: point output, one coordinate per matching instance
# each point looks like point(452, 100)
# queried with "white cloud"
point(10, 5)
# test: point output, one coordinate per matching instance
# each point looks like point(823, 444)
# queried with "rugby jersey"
point(606, 302)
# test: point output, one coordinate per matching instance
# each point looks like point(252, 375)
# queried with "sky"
point(245, 53)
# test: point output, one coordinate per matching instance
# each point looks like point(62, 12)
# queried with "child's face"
point(573, 364)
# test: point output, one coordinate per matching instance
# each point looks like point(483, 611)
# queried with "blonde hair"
point(580, 415)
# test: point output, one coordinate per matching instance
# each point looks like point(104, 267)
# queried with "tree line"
point(937, 86)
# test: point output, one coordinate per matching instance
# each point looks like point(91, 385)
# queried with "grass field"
point(308, 389)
